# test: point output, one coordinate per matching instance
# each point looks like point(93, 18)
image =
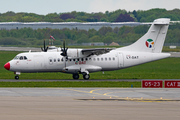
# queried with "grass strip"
point(72, 84)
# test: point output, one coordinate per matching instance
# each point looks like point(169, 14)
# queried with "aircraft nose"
point(7, 66)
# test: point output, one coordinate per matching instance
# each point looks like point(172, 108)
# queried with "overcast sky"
point(59, 6)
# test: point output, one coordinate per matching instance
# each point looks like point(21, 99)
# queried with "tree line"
point(125, 34)
point(74, 16)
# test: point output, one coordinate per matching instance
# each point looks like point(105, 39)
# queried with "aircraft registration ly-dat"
point(84, 61)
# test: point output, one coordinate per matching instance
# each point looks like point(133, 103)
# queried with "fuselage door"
point(38, 61)
point(120, 60)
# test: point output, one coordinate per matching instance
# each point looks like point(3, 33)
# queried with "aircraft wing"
point(95, 51)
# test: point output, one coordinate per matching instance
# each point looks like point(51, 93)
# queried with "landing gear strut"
point(16, 77)
point(76, 76)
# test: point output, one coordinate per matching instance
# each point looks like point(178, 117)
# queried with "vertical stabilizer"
point(153, 40)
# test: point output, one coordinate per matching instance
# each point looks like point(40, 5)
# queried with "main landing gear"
point(85, 76)
point(76, 76)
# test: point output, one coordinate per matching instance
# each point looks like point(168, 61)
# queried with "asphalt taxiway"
point(89, 103)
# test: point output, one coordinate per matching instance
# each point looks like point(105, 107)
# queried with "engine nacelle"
point(75, 53)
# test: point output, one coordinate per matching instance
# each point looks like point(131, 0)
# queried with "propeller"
point(45, 48)
point(64, 50)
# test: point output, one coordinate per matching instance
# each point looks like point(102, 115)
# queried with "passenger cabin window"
point(106, 59)
point(74, 59)
point(109, 58)
point(82, 59)
point(62, 59)
point(50, 61)
point(101, 59)
point(54, 60)
point(94, 59)
point(89, 58)
point(86, 59)
point(113, 58)
point(98, 59)
point(58, 60)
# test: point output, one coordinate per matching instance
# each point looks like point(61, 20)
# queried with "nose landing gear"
point(17, 75)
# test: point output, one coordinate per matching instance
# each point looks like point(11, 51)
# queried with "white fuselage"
point(54, 62)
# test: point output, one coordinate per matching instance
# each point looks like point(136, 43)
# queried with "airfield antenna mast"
point(51, 38)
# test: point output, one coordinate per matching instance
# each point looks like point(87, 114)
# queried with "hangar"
point(62, 25)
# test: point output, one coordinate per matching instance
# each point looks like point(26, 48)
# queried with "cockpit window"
point(17, 57)
point(21, 58)
point(25, 58)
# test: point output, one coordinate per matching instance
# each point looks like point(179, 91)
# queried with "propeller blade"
point(44, 45)
point(64, 49)
point(45, 48)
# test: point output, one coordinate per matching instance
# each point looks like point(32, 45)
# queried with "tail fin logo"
point(149, 43)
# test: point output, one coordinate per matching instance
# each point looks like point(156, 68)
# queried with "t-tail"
point(153, 40)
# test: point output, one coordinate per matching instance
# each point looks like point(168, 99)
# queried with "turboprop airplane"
point(84, 61)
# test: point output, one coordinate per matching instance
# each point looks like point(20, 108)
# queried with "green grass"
point(167, 49)
point(70, 84)
point(163, 69)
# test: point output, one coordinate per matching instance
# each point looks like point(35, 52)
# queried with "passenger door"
point(38, 62)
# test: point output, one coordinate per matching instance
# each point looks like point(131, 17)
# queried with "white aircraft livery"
point(84, 61)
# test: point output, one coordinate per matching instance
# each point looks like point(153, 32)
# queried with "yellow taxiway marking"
point(92, 91)
point(79, 91)
point(98, 89)
point(141, 99)
point(116, 92)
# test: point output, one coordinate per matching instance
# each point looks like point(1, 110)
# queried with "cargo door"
point(120, 60)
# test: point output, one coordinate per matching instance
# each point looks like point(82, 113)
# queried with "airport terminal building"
point(62, 25)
